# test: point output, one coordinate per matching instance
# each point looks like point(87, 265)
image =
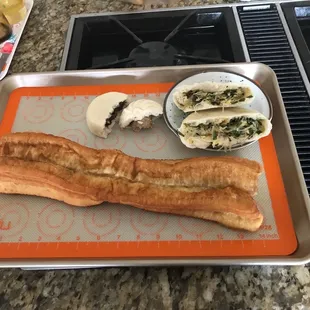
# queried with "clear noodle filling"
point(228, 96)
point(236, 129)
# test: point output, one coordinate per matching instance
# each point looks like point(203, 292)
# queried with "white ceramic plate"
point(174, 116)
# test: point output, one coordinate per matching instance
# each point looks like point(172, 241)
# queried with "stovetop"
point(274, 33)
point(185, 37)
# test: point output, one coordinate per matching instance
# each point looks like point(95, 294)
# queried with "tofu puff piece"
point(104, 111)
point(223, 129)
point(140, 114)
point(209, 95)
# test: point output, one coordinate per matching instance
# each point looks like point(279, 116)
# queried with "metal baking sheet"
point(296, 192)
point(125, 231)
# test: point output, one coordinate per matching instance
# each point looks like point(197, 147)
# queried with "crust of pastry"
point(203, 172)
point(229, 206)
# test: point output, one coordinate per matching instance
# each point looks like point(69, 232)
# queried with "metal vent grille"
point(267, 43)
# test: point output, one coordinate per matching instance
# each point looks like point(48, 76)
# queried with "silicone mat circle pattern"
point(55, 229)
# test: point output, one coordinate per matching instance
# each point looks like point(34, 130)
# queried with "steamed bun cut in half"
point(223, 129)
point(104, 111)
point(210, 95)
point(140, 114)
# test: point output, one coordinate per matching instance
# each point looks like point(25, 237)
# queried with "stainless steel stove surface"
point(276, 34)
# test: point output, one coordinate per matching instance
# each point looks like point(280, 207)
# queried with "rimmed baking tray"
point(18, 96)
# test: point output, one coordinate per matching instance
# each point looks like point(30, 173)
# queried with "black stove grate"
point(164, 51)
point(267, 43)
point(181, 37)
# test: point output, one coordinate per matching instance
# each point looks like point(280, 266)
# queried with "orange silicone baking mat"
point(34, 227)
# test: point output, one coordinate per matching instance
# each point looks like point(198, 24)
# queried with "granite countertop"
point(40, 49)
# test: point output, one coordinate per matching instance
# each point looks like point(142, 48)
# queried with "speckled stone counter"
point(40, 49)
point(150, 288)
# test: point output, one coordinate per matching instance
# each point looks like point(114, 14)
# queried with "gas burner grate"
point(267, 43)
point(158, 53)
point(163, 38)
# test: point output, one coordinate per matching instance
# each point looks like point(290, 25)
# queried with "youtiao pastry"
point(218, 189)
